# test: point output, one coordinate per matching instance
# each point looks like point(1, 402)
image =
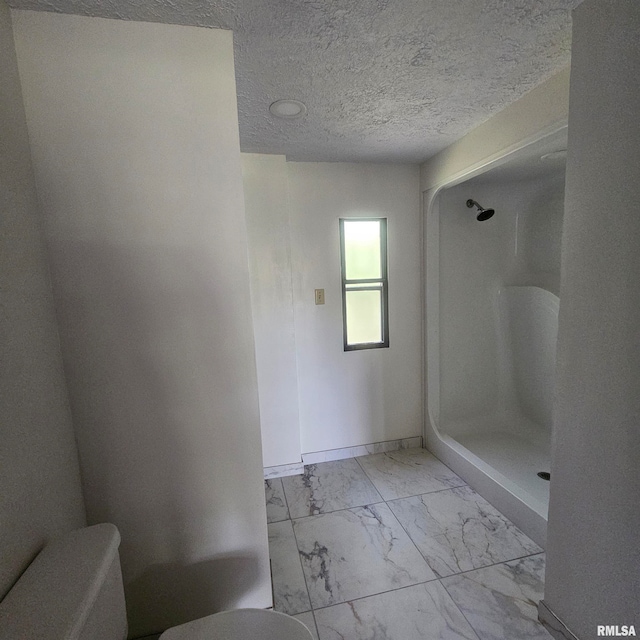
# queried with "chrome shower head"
point(484, 214)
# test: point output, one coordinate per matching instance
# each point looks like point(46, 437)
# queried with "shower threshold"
point(513, 445)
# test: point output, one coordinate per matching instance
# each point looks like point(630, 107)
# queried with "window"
point(365, 316)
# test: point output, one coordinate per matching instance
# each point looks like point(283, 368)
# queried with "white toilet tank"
point(71, 591)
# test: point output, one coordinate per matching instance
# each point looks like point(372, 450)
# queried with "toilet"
point(73, 591)
point(241, 623)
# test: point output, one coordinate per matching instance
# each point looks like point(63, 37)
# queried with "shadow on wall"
point(155, 392)
point(182, 592)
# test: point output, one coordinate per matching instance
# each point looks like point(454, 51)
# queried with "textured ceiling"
point(383, 80)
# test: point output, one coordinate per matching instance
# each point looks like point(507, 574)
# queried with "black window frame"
point(366, 285)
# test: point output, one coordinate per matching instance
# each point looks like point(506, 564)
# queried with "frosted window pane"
point(359, 285)
point(362, 249)
point(364, 317)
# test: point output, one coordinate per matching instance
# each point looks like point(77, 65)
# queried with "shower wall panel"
point(529, 329)
point(495, 347)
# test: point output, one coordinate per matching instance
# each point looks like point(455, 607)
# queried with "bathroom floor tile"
point(357, 552)
point(277, 509)
point(329, 486)
point(289, 588)
point(501, 602)
point(414, 613)
point(365, 569)
point(457, 530)
point(308, 620)
point(408, 472)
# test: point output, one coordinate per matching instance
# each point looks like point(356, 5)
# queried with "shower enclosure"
point(492, 301)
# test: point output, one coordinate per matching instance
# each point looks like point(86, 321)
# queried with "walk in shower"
point(492, 302)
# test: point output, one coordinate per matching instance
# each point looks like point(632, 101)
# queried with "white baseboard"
point(294, 469)
point(362, 450)
point(297, 468)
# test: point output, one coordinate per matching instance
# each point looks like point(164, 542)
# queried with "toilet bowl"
point(241, 624)
point(73, 591)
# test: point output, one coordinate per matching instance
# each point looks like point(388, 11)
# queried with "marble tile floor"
point(395, 546)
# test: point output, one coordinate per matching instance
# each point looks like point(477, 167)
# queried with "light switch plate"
point(319, 296)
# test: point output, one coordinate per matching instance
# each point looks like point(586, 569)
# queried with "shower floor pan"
point(513, 445)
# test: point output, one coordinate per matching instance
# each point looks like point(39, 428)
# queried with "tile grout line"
point(370, 504)
point(295, 538)
point(379, 593)
point(436, 579)
point(366, 475)
point(455, 604)
point(326, 513)
point(313, 613)
point(286, 500)
point(402, 526)
point(428, 493)
point(304, 576)
point(465, 484)
point(413, 542)
point(493, 564)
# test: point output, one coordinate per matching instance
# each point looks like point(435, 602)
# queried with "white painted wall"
point(134, 137)
point(357, 397)
point(593, 551)
point(40, 495)
point(267, 213)
point(540, 111)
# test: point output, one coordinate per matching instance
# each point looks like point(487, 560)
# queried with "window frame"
point(383, 286)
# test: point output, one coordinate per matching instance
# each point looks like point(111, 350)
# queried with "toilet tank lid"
point(54, 596)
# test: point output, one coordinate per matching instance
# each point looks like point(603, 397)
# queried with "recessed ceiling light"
point(288, 109)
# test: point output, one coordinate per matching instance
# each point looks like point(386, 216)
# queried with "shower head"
point(484, 214)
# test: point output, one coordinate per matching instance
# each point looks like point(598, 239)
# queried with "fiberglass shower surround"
point(496, 396)
point(493, 298)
